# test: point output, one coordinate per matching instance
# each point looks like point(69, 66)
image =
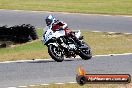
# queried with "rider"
point(56, 25)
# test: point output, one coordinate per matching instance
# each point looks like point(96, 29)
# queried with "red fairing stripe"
point(55, 27)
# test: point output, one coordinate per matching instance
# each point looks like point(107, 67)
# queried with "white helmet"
point(49, 20)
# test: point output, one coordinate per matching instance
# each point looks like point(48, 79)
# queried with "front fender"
point(53, 44)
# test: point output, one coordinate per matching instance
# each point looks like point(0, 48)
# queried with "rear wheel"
point(86, 54)
point(55, 53)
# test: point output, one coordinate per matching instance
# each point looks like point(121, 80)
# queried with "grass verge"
point(86, 86)
point(79, 6)
point(101, 43)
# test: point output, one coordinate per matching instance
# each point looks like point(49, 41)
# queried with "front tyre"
point(55, 53)
point(86, 54)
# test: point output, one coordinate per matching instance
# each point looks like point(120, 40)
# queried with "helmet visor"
point(48, 22)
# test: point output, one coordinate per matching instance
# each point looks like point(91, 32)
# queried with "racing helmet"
point(49, 20)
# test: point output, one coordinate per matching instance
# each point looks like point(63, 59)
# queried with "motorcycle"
point(52, 40)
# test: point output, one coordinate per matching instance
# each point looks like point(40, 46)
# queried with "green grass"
point(105, 43)
point(101, 43)
point(85, 86)
point(76, 6)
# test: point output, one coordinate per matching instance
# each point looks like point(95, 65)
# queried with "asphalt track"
point(41, 72)
point(75, 21)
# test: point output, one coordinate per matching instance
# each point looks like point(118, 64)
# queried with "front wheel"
point(86, 54)
point(55, 53)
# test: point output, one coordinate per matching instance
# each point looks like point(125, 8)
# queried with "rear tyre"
point(55, 53)
point(86, 54)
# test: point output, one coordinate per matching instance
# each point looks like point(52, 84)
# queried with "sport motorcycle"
point(52, 40)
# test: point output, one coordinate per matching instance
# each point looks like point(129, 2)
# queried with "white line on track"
point(112, 32)
point(72, 82)
point(59, 83)
point(44, 84)
point(21, 61)
point(32, 85)
point(22, 86)
point(113, 55)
